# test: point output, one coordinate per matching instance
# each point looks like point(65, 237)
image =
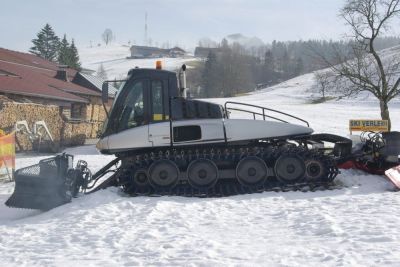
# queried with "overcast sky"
point(181, 22)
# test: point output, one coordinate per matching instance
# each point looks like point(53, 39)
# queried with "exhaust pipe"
point(182, 81)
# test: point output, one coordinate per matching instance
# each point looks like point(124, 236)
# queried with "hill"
point(296, 96)
point(114, 59)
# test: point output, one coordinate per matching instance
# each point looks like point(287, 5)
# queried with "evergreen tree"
point(46, 44)
point(233, 68)
point(227, 74)
point(64, 52)
point(74, 57)
point(68, 54)
point(285, 63)
point(115, 83)
point(224, 44)
point(299, 67)
point(209, 76)
point(101, 72)
point(269, 61)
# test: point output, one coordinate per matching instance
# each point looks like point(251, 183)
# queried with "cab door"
point(129, 120)
point(159, 130)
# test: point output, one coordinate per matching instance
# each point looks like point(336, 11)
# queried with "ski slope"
point(114, 60)
point(353, 226)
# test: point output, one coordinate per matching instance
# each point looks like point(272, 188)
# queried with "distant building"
point(176, 52)
point(202, 52)
point(154, 52)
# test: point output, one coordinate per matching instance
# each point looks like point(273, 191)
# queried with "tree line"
point(48, 46)
point(231, 69)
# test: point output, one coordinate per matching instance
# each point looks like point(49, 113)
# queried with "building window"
point(77, 111)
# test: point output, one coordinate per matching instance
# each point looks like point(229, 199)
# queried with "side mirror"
point(104, 92)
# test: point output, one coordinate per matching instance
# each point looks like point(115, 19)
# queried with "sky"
point(181, 22)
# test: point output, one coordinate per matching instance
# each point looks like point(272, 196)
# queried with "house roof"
point(98, 82)
point(34, 76)
point(176, 48)
point(31, 60)
point(152, 48)
point(22, 81)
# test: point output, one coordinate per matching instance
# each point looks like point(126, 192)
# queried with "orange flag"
point(7, 152)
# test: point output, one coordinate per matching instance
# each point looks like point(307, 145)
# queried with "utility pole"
point(145, 28)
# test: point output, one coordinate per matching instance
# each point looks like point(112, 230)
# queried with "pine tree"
point(115, 83)
point(68, 54)
point(46, 44)
point(101, 72)
point(75, 64)
point(299, 67)
point(285, 63)
point(269, 61)
point(224, 44)
point(209, 77)
point(64, 52)
point(269, 67)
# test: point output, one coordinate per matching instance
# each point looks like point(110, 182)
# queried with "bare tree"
point(323, 82)
point(368, 70)
point(107, 36)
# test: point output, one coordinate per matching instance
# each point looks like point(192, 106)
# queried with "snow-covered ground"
point(352, 226)
point(115, 62)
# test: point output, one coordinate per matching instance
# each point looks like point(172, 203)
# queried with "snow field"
point(115, 62)
point(356, 225)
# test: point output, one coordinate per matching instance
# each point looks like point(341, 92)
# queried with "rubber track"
point(228, 187)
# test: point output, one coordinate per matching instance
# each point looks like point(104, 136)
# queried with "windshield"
point(105, 124)
point(128, 109)
point(121, 86)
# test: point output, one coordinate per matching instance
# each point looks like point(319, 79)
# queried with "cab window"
point(132, 108)
point(157, 103)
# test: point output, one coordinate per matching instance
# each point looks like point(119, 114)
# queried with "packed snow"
point(355, 225)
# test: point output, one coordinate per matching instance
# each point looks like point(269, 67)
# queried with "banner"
point(368, 126)
point(7, 154)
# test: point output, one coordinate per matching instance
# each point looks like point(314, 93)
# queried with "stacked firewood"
point(11, 112)
point(64, 133)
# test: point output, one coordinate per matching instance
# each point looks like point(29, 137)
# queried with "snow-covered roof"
point(98, 82)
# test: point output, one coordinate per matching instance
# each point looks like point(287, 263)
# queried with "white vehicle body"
point(210, 131)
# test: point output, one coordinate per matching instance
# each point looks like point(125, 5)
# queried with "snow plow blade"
point(394, 176)
point(42, 186)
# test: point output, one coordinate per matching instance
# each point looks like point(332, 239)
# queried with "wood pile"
point(64, 133)
point(76, 133)
point(95, 113)
point(12, 112)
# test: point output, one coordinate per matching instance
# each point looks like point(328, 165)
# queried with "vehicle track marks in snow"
point(356, 225)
